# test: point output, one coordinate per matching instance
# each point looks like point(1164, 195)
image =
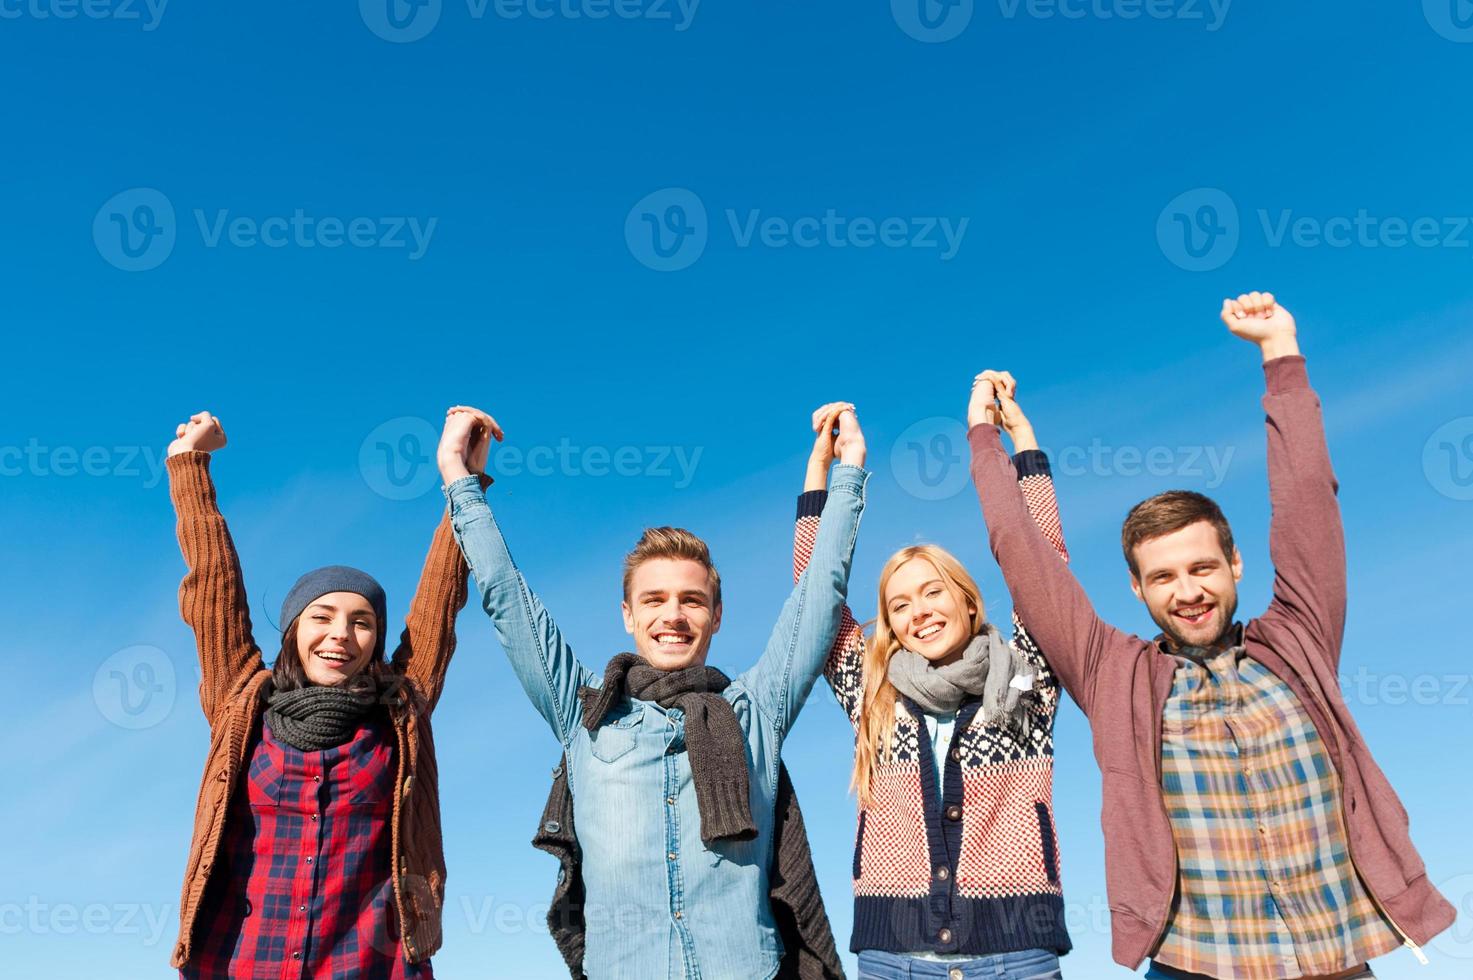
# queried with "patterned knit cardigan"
point(977, 871)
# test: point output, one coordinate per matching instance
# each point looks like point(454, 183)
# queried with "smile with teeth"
point(1194, 614)
point(333, 656)
point(671, 639)
point(929, 630)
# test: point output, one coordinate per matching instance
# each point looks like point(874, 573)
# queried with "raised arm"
point(428, 641)
point(542, 661)
point(804, 635)
point(844, 666)
point(1306, 537)
point(212, 597)
point(1046, 596)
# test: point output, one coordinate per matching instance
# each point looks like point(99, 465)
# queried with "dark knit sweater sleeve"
point(212, 597)
point(844, 667)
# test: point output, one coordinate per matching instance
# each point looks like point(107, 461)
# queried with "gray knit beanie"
point(336, 578)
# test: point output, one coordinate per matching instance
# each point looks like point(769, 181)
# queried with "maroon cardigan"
point(1121, 682)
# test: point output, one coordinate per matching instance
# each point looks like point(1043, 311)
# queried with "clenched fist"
point(1258, 317)
point(202, 433)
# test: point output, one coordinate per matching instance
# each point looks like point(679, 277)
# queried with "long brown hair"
point(877, 705)
point(378, 681)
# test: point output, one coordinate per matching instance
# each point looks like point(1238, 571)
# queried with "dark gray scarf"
point(713, 737)
point(989, 668)
point(316, 717)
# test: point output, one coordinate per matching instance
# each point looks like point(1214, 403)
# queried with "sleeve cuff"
point(1032, 462)
point(1286, 373)
point(810, 503)
point(464, 491)
point(983, 436)
point(847, 477)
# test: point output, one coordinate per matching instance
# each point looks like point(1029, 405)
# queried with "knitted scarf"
point(315, 717)
point(713, 738)
point(989, 667)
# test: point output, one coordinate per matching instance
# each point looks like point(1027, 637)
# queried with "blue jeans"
point(1028, 964)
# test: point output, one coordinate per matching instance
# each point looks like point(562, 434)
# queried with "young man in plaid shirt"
point(1248, 832)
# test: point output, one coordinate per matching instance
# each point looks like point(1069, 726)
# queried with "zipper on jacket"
point(1175, 854)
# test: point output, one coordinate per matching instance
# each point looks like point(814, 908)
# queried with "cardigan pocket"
point(1050, 844)
point(859, 843)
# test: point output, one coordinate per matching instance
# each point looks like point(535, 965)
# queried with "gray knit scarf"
point(713, 737)
point(316, 717)
point(989, 667)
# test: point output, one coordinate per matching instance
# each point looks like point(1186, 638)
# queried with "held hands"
point(202, 433)
point(994, 402)
point(1258, 317)
point(836, 432)
point(465, 443)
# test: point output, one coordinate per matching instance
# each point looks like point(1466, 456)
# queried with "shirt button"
point(297, 955)
point(954, 974)
point(309, 860)
point(670, 800)
point(944, 935)
point(953, 812)
point(316, 779)
point(672, 855)
point(942, 873)
point(679, 914)
point(956, 755)
point(314, 818)
point(301, 908)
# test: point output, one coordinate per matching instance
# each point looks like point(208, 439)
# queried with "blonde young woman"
point(956, 867)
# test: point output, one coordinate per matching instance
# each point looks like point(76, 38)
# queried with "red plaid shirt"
point(307, 892)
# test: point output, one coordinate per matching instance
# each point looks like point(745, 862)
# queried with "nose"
point(671, 614)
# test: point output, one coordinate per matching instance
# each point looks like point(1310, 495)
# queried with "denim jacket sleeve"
point(780, 681)
point(543, 662)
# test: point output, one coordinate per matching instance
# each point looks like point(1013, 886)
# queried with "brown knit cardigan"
point(212, 600)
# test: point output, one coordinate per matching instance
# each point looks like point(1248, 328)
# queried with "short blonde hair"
point(677, 544)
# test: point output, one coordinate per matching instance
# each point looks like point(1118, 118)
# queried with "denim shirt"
point(660, 903)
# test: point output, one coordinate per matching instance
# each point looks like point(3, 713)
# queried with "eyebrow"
point(359, 611)
point(923, 586)
point(647, 593)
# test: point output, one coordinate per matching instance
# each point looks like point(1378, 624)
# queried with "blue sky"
point(338, 223)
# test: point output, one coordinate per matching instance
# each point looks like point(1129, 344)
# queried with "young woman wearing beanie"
point(956, 867)
point(317, 847)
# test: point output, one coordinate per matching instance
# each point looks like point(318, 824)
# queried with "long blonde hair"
point(877, 704)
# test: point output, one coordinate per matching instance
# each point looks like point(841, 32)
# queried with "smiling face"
point(1188, 583)
point(336, 634)
point(926, 615)
point(671, 612)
